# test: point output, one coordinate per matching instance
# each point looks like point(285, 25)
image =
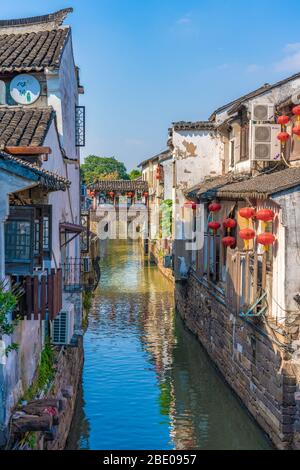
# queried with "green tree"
point(95, 168)
point(134, 174)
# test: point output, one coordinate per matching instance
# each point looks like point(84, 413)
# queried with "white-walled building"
point(42, 124)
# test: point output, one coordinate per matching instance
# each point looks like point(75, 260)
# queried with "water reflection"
point(147, 384)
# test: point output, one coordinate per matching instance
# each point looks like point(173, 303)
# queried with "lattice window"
point(80, 126)
point(19, 241)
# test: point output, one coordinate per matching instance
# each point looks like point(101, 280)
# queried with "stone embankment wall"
point(258, 370)
point(158, 260)
point(65, 388)
point(66, 384)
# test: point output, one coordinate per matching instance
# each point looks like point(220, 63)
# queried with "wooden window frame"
point(43, 211)
point(232, 152)
point(244, 142)
point(14, 265)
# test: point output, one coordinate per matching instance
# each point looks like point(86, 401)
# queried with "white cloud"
point(294, 46)
point(253, 68)
point(291, 61)
point(223, 67)
point(183, 20)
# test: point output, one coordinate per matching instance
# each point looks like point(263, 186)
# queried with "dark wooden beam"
point(28, 150)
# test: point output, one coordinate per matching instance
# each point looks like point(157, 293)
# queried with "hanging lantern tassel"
point(229, 224)
point(266, 239)
point(247, 234)
point(283, 137)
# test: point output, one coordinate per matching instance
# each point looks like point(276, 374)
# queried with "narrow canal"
point(147, 384)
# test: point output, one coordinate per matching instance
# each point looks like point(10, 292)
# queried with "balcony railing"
point(42, 294)
point(80, 274)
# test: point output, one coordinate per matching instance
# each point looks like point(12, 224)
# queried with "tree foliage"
point(95, 168)
point(8, 303)
point(134, 174)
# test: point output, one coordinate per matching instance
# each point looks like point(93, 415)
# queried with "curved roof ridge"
point(57, 17)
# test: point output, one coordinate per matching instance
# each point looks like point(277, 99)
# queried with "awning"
point(71, 228)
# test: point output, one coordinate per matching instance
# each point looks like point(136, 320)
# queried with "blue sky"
point(146, 63)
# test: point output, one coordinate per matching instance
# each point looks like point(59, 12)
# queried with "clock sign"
point(25, 89)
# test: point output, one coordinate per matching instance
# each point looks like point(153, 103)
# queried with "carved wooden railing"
point(42, 294)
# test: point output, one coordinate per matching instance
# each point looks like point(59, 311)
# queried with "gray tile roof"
point(56, 17)
point(119, 185)
point(43, 177)
point(24, 126)
point(32, 51)
point(197, 125)
point(160, 156)
point(235, 104)
point(261, 186)
point(210, 186)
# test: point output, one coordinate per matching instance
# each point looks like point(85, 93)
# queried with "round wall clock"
point(25, 89)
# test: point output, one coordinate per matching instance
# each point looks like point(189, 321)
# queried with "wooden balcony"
point(243, 278)
point(248, 280)
point(42, 294)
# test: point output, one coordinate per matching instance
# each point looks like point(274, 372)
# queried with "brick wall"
point(257, 369)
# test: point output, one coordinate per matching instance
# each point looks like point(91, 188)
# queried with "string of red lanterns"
point(283, 120)
point(247, 234)
point(229, 224)
point(213, 225)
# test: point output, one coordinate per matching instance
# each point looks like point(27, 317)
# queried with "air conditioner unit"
point(62, 328)
point(265, 145)
point(263, 112)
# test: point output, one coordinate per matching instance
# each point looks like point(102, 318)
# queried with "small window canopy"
point(70, 228)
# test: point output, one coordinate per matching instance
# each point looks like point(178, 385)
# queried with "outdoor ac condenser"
point(263, 112)
point(264, 143)
point(62, 328)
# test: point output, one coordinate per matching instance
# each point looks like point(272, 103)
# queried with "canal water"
point(147, 383)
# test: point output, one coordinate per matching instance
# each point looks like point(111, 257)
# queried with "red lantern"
point(283, 137)
point(296, 110)
point(214, 226)
point(159, 172)
point(146, 194)
point(266, 239)
point(229, 223)
point(92, 193)
point(265, 215)
point(247, 212)
point(111, 194)
point(130, 194)
point(247, 234)
point(229, 241)
point(296, 130)
point(283, 120)
point(214, 207)
point(190, 205)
